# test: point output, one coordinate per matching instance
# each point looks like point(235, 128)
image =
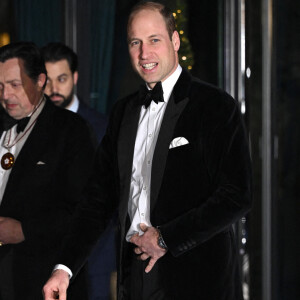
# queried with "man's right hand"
point(56, 286)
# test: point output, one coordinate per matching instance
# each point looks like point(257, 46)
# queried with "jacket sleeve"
point(98, 204)
point(227, 160)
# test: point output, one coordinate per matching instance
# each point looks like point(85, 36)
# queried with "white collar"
point(170, 82)
point(74, 104)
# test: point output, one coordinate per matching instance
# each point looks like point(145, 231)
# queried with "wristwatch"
point(160, 241)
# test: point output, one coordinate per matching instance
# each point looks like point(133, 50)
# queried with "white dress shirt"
point(147, 133)
point(16, 148)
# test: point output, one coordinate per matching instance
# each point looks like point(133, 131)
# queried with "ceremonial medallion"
point(7, 161)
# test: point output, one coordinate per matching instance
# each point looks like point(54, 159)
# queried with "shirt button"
point(148, 162)
point(150, 134)
point(144, 187)
point(142, 214)
point(153, 109)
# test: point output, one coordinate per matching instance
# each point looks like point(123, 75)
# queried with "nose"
point(54, 87)
point(144, 51)
point(6, 91)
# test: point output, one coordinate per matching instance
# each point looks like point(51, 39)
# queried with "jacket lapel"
point(177, 102)
point(126, 142)
point(32, 149)
point(38, 138)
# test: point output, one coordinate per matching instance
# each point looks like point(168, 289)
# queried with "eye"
point(155, 40)
point(16, 84)
point(134, 43)
point(62, 79)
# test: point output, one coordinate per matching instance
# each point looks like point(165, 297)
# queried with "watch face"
point(161, 243)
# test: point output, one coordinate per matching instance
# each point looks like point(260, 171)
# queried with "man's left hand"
point(147, 246)
point(10, 231)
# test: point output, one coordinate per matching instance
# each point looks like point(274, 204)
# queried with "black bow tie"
point(9, 122)
point(156, 94)
point(22, 124)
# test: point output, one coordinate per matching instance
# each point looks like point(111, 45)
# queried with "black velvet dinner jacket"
point(198, 190)
point(97, 120)
point(42, 192)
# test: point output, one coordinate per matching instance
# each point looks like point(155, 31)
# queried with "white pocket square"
point(179, 141)
point(40, 163)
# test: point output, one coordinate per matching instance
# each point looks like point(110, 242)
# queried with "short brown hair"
point(162, 9)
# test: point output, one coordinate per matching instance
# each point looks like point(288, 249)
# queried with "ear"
point(176, 40)
point(41, 80)
point(75, 77)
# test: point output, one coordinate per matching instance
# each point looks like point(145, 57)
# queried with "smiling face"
point(153, 55)
point(19, 94)
point(60, 82)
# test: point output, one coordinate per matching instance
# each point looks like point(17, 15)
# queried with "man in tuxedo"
point(177, 165)
point(46, 159)
point(62, 71)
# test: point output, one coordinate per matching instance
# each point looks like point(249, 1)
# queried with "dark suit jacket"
point(42, 192)
point(197, 190)
point(97, 121)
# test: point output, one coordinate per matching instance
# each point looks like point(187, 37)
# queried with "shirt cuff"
point(63, 267)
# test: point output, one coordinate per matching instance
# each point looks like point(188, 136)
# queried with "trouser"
point(6, 280)
point(140, 285)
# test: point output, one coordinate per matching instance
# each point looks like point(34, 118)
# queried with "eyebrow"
point(133, 39)
point(13, 80)
point(63, 74)
point(149, 37)
point(154, 35)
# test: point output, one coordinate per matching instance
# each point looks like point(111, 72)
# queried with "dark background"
point(105, 75)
